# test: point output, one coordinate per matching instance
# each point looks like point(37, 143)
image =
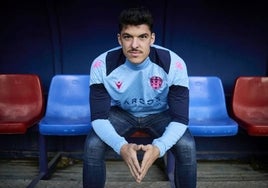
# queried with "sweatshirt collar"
point(139, 66)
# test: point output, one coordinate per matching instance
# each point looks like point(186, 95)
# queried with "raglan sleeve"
point(100, 103)
point(178, 102)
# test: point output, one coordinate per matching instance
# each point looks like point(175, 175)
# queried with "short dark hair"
point(135, 16)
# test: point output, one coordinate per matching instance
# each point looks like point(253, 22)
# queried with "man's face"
point(136, 42)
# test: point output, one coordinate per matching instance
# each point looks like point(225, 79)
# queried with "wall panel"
point(25, 44)
point(225, 39)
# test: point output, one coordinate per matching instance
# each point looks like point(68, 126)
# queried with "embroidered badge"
point(156, 82)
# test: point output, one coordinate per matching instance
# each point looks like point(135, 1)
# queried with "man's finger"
point(151, 153)
point(129, 154)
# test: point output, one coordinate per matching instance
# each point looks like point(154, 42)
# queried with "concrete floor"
point(211, 174)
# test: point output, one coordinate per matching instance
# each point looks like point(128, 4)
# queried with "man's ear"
point(119, 39)
point(152, 38)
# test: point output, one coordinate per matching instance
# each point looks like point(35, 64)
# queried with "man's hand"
point(129, 154)
point(151, 153)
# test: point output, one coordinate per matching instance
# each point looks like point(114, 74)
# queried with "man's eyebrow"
point(126, 34)
point(143, 34)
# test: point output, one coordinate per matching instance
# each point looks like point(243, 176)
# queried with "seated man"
point(139, 86)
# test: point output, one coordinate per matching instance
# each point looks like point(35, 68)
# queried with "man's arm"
point(178, 101)
point(100, 106)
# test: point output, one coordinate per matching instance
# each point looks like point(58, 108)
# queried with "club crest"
point(156, 82)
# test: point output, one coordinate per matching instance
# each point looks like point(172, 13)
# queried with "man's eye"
point(126, 37)
point(143, 37)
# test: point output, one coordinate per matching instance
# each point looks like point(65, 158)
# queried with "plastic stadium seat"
point(67, 114)
point(21, 102)
point(67, 110)
point(208, 115)
point(250, 104)
point(207, 110)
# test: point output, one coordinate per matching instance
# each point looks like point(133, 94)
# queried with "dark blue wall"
point(223, 39)
point(48, 37)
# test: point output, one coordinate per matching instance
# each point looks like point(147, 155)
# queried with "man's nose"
point(135, 43)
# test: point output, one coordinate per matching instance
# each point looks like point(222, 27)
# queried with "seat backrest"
point(207, 99)
point(69, 97)
point(21, 99)
point(250, 97)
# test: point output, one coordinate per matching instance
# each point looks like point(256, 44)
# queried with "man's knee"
point(94, 147)
point(184, 150)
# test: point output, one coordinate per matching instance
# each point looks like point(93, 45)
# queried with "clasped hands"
point(129, 155)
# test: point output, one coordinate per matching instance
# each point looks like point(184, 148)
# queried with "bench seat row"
point(67, 111)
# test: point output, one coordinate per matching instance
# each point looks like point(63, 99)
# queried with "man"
point(139, 86)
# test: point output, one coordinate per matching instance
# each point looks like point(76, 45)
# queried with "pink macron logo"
point(118, 84)
point(97, 64)
point(179, 65)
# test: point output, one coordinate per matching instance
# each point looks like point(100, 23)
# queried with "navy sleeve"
point(178, 101)
point(100, 102)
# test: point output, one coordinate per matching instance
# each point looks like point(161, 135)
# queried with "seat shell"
point(21, 102)
point(207, 109)
point(250, 104)
point(68, 111)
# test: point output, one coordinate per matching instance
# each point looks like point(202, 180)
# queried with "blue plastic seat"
point(207, 110)
point(208, 115)
point(67, 110)
point(67, 114)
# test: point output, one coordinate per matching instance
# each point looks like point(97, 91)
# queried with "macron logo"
point(118, 84)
